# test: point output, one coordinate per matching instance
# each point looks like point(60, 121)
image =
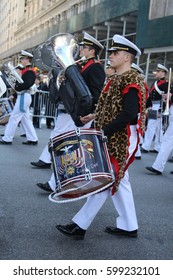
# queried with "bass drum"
point(6, 108)
point(81, 165)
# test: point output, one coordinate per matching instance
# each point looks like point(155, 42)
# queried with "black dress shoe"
point(143, 150)
point(41, 164)
point(72, 230)
point(153, 170)
point(2, 142)
point(118, 231)
point(23, 135)
point(45, 187)
point(138, 158)
point(154, 151)
point(30, 142)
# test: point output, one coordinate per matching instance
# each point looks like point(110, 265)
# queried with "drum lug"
point(104, 139)
point(78, 132)
point(88, 176)
point(58, 186)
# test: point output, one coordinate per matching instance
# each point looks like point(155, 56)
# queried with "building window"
point(64, 15)
point(74, 10)
point(160, 8)
point(88, 4)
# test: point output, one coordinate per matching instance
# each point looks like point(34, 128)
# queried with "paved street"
point(28, 218)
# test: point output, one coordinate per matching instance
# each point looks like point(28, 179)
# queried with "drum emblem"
point(88, 148)
point(69, 157)
point(72, 158)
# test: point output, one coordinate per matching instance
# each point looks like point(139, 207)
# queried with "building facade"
point(25, 24)
point(28, 23)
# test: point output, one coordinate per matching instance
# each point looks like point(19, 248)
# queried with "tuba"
point(73, 90)
point(12, 74)
point(65, 48)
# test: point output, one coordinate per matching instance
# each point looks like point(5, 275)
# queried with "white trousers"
point(138, 152)
point(122, 200)
point(166, 147)
point(154, 127)
point(63, 124)
point(16, 117)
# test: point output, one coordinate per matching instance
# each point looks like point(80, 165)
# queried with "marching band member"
point(166, 147)
point(21, 108)
point(93, 74)
point(122, 99)
point(154, 101)
point(140, 71)
point(39, 86)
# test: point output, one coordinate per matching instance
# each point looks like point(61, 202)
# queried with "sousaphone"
point(74, 92)
point(12, 74)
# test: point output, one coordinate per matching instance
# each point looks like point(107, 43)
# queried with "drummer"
point(117, 114)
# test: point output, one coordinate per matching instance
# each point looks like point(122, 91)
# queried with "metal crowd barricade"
point(42, 107)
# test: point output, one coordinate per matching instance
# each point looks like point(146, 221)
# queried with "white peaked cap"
point(137, 68)
point(24, 53)
point(161, 67)
point(121, 43)
point(19, 66)
point(91, 41)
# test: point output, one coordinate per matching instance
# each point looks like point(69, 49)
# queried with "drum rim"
point(82, 176)
point(78, 198)
point(88, 131)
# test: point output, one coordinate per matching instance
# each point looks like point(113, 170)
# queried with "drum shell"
point(81, 163)
point(6, 108)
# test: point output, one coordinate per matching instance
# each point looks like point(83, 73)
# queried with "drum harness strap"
point(157, 88)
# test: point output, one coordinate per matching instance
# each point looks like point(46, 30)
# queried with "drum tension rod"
point(78, 134)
